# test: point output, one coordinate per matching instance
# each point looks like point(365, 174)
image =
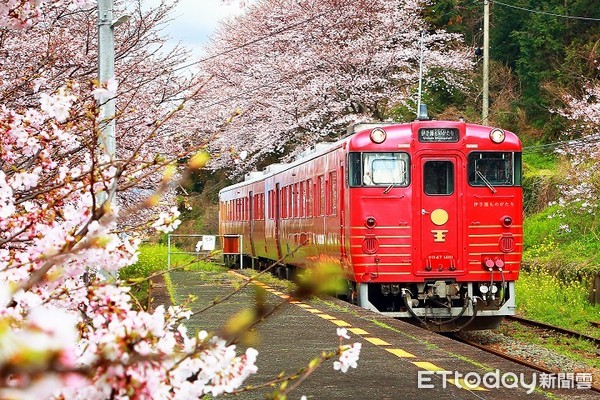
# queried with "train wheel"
point(283, 272)
point(291, 273)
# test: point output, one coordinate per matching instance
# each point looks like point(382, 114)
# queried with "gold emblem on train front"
point(439, 217)
point(439, 236)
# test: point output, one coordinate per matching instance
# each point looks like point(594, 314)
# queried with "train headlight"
point(497, 135)
point(370, 222)
point(378, 135)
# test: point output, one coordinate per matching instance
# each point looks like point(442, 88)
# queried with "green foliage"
point(546, 56)
point(456, 16)
point(544, 49)
point(544, 297)
point(539, 161)
point(152, 260)
point(540, 180)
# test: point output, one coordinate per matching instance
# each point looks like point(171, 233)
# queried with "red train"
point(424, 219)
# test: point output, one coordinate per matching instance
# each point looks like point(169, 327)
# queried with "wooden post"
point(595, 293)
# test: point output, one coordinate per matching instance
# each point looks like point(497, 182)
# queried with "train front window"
point(438, 178)
point(378, 169)
point(494, 168)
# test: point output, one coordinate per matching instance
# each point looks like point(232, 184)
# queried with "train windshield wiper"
point(390, 186)
point(487, 183)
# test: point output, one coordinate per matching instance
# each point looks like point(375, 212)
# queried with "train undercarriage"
point(440, 305)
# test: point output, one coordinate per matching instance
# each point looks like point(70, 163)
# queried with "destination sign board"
point(438, 135)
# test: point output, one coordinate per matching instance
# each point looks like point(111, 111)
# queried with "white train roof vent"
point(253, 175)
point(322, 146)
point(352, 129)
point(274, 167)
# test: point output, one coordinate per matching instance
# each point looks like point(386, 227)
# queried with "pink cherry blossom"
point(348, 358)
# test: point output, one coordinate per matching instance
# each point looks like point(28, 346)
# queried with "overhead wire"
point(587, 139)
point(251, 42)
point(583, 140)
point(546, 13)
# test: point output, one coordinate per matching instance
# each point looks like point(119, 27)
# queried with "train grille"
point(370, 245)
point(507, 243)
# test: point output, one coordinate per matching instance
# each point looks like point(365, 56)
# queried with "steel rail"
point(507, 356)
point(563, 331)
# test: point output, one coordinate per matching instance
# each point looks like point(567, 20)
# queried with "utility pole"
point(106, 102)
point(486, 62)
point(421, 114)
point(106, 71)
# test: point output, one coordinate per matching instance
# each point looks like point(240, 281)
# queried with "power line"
point(584, 140)
point(547, 13)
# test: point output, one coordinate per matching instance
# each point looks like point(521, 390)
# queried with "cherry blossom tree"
point(296, 72)
point(583, 151)
point(44, 56)
point(65, 333)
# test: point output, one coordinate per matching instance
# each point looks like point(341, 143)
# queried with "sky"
point(195, 20)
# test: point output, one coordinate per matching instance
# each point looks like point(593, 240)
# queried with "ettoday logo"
point(507, 380)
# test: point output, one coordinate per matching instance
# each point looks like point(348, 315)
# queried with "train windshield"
point(379, 169)
point(494, 168)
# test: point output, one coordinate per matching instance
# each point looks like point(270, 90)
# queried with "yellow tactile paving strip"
point(362, 333)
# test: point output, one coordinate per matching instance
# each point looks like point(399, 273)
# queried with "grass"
point(152, 260)
point(543, 296)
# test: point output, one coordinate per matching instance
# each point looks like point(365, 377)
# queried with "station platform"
point(397, 360)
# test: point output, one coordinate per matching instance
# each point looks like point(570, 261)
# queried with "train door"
point(251, 219)
point(340, 198)
point(439, 215)
point(277, 216)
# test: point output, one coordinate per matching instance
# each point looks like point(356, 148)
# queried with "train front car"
point(435, 222)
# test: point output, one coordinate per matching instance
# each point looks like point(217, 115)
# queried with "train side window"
point(296, 200)
point(255, 202)
point(355, 169)
point(271, 205)
point(332, 209)
point(302, 212)
point(290, 198)
point(283, 203)
point(438, 177)
point(309, 198)
point(290, 206)
point(321, 198)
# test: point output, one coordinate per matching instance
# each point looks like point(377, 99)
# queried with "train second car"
point(423, 218)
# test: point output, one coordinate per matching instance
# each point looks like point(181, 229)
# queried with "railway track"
point(556, 329)
point(522, 361)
